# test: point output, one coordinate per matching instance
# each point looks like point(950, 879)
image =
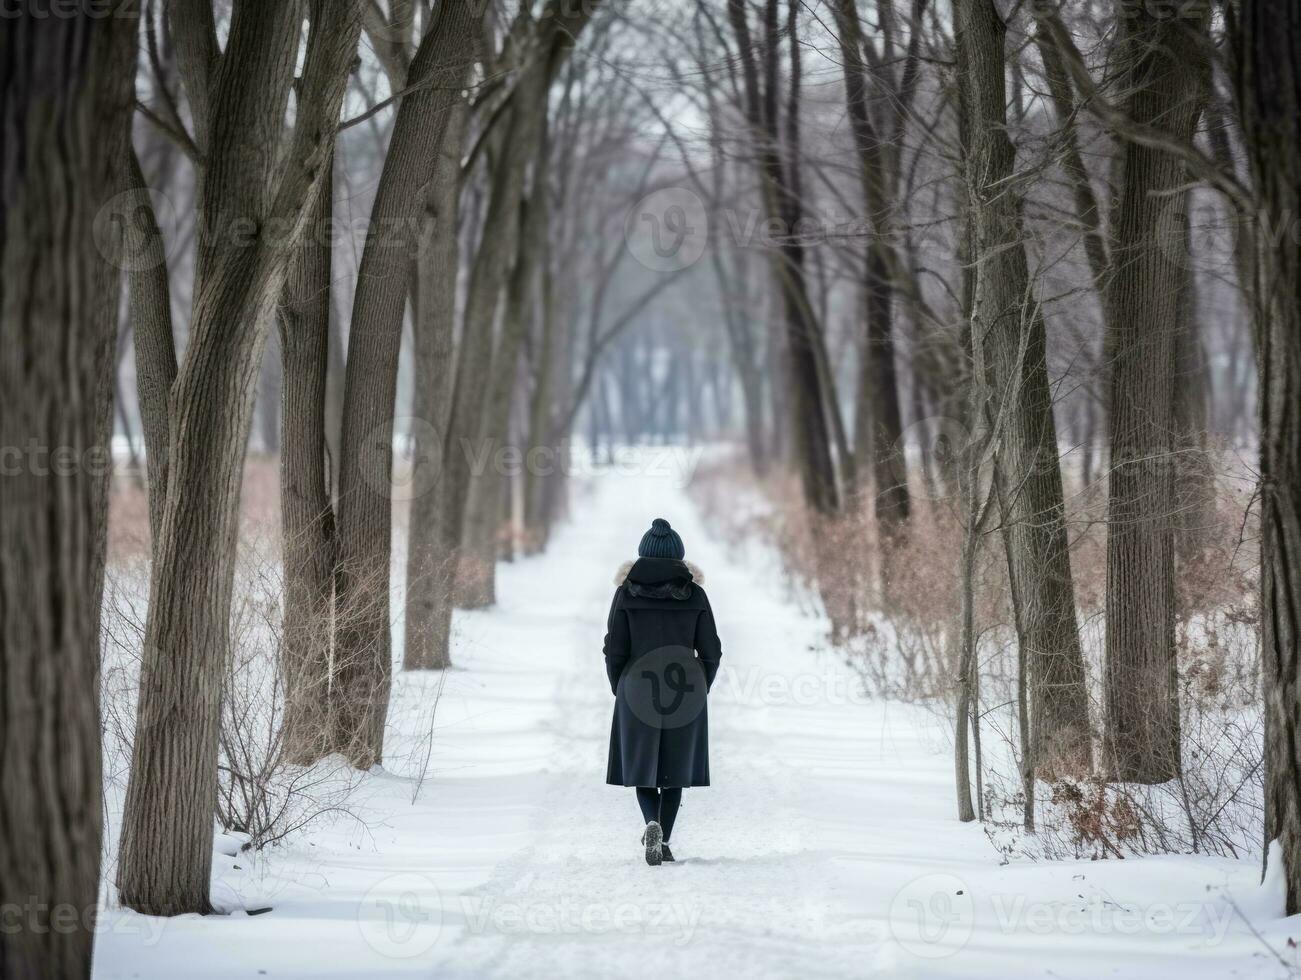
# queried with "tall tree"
point(1162, 64)
point(362, 645)
point(543, 49)
point(66, 96)
point(306, 509)
point(255, 183)
point(484, 516)
point(428, 563)
point(1008, 346)
point(878, 423)
point(150, 311)
point(808, 397)
point(1269, 63)
point(466, 449)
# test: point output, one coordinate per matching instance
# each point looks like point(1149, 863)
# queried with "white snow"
point(826, 846)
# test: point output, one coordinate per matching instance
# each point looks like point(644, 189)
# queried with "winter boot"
point(665, 853)
point(653, 838)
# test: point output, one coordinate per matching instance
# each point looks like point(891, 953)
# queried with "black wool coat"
point(661, 655)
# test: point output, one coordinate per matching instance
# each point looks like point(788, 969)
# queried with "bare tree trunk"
point(1008, 347)
point(151, 334)
point(362, 646)
point(968, 706)
point(541, 452)
point(66, 97)
point(878, 420)
point(485, 506)
point(239, 98)
point(428, 564)
point(1194, 473)
point(465, 450)
point(558, 29)
point(307, 513)
point(1086, 203)
point(1162, 61)
point(1270, 80)
point(744, 352)
point(812, 440)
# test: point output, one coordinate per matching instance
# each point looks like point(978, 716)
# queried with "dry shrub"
point(893, 607)
point(1216, 803)
point(891, 603)
point(1101, 821)
point(260, 794)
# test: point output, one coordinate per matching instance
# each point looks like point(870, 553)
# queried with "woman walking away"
point(661, 655)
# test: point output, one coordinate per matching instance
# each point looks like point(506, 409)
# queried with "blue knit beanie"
point(661, 541)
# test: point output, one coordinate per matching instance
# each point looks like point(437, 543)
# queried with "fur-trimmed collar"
point(697, 575)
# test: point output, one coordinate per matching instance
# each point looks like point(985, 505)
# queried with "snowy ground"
point(827, 845)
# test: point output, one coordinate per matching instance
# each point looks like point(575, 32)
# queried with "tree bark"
point(150, 310)
point(65, 99)
point(1194, 474)
point(1008, 348)
point(541, 460)
point(485, 510)
point(468, 457)
point(306, 509)
point(878, 420)
point(250, 183)
point(812, 439)
point(556, 34)
point(1269, 60)
point(428, 564)
point(1086, 203)
point(362, 646)
point(1162, 63)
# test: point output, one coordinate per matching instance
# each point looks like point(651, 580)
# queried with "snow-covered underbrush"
point(892, 609)
point(264, 797)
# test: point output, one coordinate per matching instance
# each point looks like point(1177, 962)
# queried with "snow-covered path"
point(827, 845)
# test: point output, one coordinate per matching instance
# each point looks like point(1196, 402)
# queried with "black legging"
point(661, 805)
